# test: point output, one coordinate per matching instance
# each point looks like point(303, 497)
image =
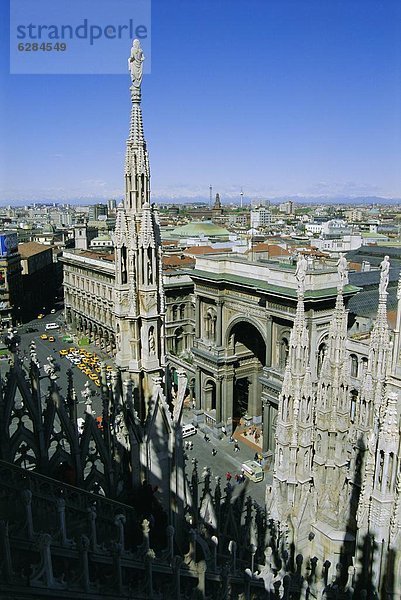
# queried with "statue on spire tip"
point(342, 269)
point(135, 65)
point(384, 275)
point(300, 272)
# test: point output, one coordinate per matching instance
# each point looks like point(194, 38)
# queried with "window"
point(354, 365)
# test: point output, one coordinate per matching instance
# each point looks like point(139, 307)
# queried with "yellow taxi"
point(88, 354)
point(93, 376)
point(63, 352)
point(40, 316)
point(82, 352)
point(51, 339)
point(81, 366)
point(97, 369)
point(43, 336)
point(96, 382)
point(109, 368)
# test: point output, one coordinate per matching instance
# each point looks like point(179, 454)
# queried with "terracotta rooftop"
point(199, 250)
point(271, 249)
point(178, 262)
point(28, 249)
point(98, 255)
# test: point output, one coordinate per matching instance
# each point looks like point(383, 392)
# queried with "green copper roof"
point(198, 228)
point(264, 286)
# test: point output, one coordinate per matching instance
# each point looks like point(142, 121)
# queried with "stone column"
point(198, 388)
point(266, 426)
point(198, 317)
point(217, 429)
point(218, 398)
point(227, 398)
point(199, 416)
point(219, 324)
point(269, 341)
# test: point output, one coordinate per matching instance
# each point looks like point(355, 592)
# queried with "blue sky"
point(279, 97)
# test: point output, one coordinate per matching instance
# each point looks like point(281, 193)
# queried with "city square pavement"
point(44, 348)
point(225, 460)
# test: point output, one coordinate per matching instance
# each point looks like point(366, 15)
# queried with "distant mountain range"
point(298, 199)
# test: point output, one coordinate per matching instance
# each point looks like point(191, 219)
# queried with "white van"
point(51, 326)
point(253, 470)
point(188, 430)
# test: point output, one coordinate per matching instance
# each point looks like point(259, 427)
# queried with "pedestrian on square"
point(214, 451)
point(236, 447)
point(228, 476)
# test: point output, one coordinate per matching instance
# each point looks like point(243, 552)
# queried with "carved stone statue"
point(300, 271)
point(384, 276)
point(135, 63)
point(152, 347)
point(342, 268)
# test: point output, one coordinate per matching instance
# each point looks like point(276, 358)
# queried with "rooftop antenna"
point(210, 194)
point(242, 196)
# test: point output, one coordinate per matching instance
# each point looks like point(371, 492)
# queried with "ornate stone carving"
point(135, 65)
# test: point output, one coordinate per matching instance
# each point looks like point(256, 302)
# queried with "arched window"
point(284, 349)
point(182, 312)
point(178, 341)
point(389, 482)
point(321, 353)
point(354, 365)
point(174, 312)
point(354, 399)
point(211, 319)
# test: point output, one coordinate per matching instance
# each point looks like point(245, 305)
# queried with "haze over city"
point(298, 99)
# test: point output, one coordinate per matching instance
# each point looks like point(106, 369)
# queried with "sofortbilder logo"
point(76, 36)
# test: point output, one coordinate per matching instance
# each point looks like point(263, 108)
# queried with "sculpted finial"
point(300, 272)
point(135, 63)
point(342, 269)
point(384, 275)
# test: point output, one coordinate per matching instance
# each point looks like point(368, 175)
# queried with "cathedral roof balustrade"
point(321, 285)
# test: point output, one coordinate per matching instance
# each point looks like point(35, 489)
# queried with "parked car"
point(31, 330)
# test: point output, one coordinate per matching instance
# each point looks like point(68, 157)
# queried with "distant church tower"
point(139, 295)
point(217, 210)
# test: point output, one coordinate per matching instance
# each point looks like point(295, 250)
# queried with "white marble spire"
point(332, 426)
point(294, 432)
point(137, 172)
point(140, 301)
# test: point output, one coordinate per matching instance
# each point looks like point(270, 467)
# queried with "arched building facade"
point(244, 313)
point(228, 325)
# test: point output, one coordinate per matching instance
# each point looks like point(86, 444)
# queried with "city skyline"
point(286, 99)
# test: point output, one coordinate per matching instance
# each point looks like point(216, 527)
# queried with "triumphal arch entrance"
point(243, 319)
